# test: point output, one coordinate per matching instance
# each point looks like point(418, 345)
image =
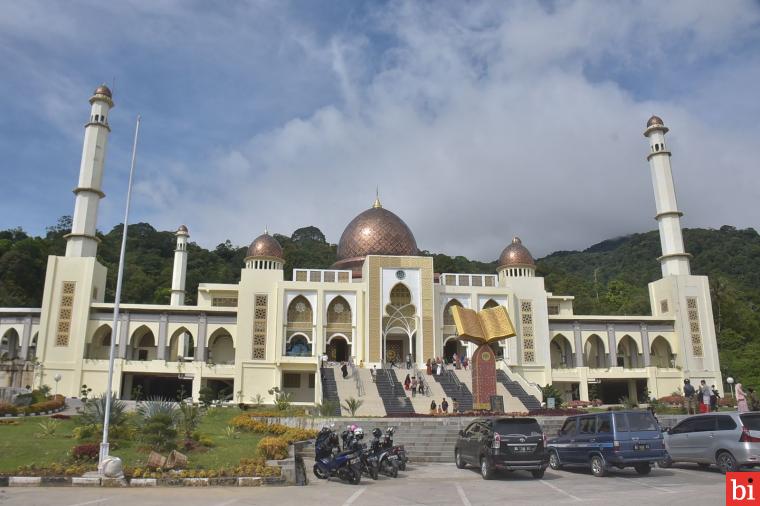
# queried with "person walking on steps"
point(344, 370)
point(432, 407)
point(414, 386)
point(445, 406)
point(454, 405)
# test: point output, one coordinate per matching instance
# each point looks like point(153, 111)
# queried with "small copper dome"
point(182, 230)
point(516, 255)
point(103, 90)
point(265, 246)
point(375, 231)
point(655, 121)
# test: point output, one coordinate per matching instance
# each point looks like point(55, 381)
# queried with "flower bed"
point(57, 403)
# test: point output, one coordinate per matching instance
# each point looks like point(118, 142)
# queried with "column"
point(26, 335)
point(200, 346)
point(123, 335)
point(645, 344)
point(612, 355)
point(578, 345)
point(162, 324)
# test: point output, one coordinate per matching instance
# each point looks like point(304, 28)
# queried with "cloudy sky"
point(478, 121)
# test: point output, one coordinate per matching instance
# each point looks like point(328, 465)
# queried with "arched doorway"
point(399, 326)
point(100, 345)
point(561, 353)
point(221, 347)
point(9, 345)
point(181, 346)
point(338, 349)
point(451, 346)
point(627, 353)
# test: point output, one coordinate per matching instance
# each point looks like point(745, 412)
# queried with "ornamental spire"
point(377, 203)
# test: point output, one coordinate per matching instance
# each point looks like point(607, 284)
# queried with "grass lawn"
point(19, 446)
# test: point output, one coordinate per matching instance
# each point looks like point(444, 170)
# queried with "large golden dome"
point(376, 231)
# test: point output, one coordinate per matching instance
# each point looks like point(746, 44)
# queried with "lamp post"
point(730, 382)
point(57, 378)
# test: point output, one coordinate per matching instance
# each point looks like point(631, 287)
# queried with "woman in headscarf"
point(741, 399)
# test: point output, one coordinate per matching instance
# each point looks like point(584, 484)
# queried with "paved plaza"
point(433, 484)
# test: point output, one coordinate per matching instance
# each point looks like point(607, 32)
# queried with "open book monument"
point(483, 328)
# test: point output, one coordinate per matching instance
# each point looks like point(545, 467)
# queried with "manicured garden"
point(217, 441)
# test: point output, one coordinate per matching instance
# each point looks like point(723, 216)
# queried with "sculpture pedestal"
point(483, 368)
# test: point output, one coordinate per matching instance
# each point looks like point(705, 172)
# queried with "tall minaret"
point(82, 242)
point(674, 259)
point(180, 267)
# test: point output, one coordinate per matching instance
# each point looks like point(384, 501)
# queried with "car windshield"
point(641, 421)
point(524, 427)
point(752, 422)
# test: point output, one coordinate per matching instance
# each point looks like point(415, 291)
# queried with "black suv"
point(496, 443)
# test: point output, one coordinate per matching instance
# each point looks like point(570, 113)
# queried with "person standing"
point(428, 368)
point(455, 360)
point(414, 386)
point(705, 393)
point(421, 386)
point(407, 382)
point(433, 407)
point(344, 370)
point(445, 406)
point(752, 401)
point(741, 399)
point(454, 405)
point(691, 400)
point(408, 361)
point(714, 399)
point(373, 373)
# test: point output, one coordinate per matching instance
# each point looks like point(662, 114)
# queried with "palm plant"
point(352, 405)
point(155, 406)
point(189, 419)
point(95, 410)
point(158, 427)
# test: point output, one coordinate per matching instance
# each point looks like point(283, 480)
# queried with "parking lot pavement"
point(432, 484)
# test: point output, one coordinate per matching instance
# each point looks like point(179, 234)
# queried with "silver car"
point(728, 440)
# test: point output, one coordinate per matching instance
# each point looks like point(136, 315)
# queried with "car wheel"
point(643, 468)
point(486, 471)
point(538, 473)
point(461, 464)
point(703, 465)
point(727, 463)
point(554, 461)
point(597, 466)
point(665, 463)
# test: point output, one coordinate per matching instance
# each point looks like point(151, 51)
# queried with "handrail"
point(418, 375)
point(455, 379)
point(520, 380)
point(390, 380)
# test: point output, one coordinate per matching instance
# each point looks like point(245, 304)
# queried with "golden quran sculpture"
point(485, 327)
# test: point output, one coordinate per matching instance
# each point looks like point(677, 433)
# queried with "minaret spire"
point(674, 259)
point(179, 272)
point(82, 242)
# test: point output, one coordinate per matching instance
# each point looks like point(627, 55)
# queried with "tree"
point(352, 405)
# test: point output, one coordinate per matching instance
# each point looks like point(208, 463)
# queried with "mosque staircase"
point(372, 404)
point(433, 392)
point(454, 389)
point(392, 393)
point(511, 403)
point(516, 390)
point(330, 388)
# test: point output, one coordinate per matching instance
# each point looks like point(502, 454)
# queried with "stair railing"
point(391, 382)
point(418, 375)
point(455, 379)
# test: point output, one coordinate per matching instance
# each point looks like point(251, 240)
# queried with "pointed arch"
point(339, 311)
point(31, 352)
point(594, 354)
point(181, 344)
point(300, 311)
point(10, 344)
point(661, 353)
point(448, 316)
point(142, 344)
point(490, 303)
point(99, 347)
point(627, 353)
point(400, 295)
point(221, 347)
point(561, 352)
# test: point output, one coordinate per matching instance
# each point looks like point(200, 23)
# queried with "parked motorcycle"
point(397, 453)
point(330, 461)
point(369, 462)
point(386, 464)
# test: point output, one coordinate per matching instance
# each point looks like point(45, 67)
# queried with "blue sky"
point(478, 120)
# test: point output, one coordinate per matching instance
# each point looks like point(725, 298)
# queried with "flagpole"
point(104, 445)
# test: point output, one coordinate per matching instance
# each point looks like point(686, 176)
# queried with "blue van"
point(605, 440)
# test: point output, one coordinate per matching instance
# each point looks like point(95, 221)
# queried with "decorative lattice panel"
point(63, 329)
point(339, 311)
point(299, 311)
point(259, 328)
point(300, 275)
point(694, 328)
point(526, 320)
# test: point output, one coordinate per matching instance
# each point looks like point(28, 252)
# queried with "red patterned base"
point(483, 377)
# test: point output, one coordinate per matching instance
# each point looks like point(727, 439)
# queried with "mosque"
point(380, 303)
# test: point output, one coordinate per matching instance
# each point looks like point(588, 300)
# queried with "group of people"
point(443, 408)
point(436, 366)
point(415, 385)
point(704, 399)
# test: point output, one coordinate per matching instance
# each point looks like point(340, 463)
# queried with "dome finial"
point(266, 229)
point(377, 203)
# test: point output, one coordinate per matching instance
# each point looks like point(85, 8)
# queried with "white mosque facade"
point(380, 303)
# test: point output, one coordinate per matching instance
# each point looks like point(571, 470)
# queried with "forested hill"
point(608, 278)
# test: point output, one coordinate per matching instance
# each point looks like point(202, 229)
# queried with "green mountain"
point(608, 278)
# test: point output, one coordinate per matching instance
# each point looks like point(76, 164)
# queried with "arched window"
point(448, 315)
point(490, 303)
point(400, 295)
point(221, 347)
point(338, 311)
point(561, 353)
point(661, 353)
point(593, 352)
point(627, 353)
point(299, 311)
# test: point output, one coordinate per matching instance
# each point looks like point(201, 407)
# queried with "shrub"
point(159, 432)
point(7, 408)
point(729, 402)
point(578, 404)
point(672, 400)
point(206, 396)
point(189, 418)
point(59, 416)
point(555, 412)
point(352, 405)
point(82, 432)
point(273, 448)
point(327, 408)
point(294, 434)
point(86, 452)
point(47, 428)
point(551, 391)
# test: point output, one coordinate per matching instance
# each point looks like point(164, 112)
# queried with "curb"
point(62, 481)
